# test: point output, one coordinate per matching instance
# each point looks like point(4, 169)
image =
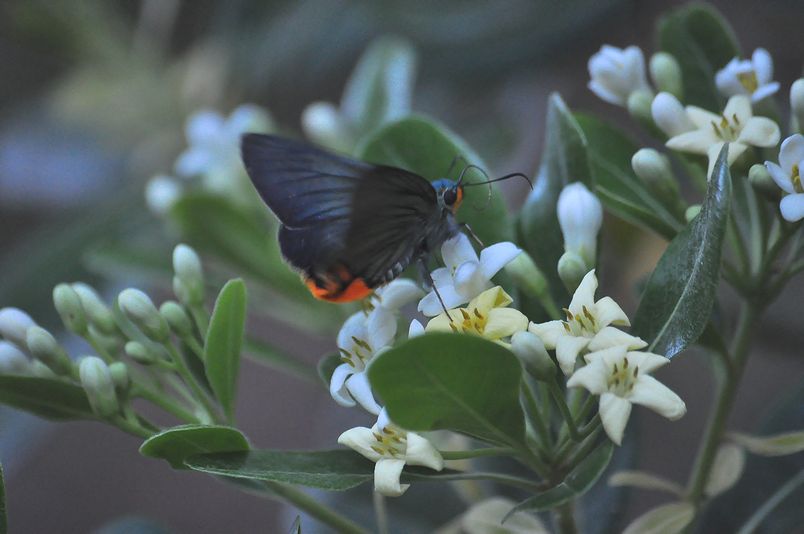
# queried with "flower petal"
point(780, 177)
point(765, 91)
point(592, 377)
point(383, 420)
point(203, 126)
point(614, 413)
point(415, 328)
point(457, 250)
point(760, 131)
point(386, 477)
point(762, 62)
point(610, 356)
point(739, 106)
point(497, 256)
point(567, 350)
point(612, 337)
point(609, 312)
point(360, 439)
point(193, 161)
point(359, 387)
point(380, 328)
point(469, 280)
point(696, 141)
point(701, 118)
point(504, 322)
point(647, 361)
point(442, 277)
point(652, 394)
point(548, 332)
point(791, 153)
point(337, 385)
point(354, 326)
point(605, 94)
point(669, 115)
point(792, 207)
point(398, 293)
point(585, 294)
point(430, 306)
point(421, 452)
point(496, 297)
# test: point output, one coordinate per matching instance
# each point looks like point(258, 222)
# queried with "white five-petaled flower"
point(580, 215)
point(616, 73)
point(391, 448)
point(587, 326)
point(736, 126)
point(787, 175)
point(465, 275)
point(752, 77)
point(214, 145)
point(621, 379)
point(363, 336)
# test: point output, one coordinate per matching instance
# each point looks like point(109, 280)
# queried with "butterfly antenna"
point(455, 160)
point(466, 169)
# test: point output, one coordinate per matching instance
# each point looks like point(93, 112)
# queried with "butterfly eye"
point(450, 196)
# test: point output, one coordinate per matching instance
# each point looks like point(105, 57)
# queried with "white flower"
point(616, 73)
point(465, 275)
point(752, 77)
point(736, 126)
point(797, 104)
point(362, 337)
point(14, 325)
point(161, 192)
point(621, 379)
point(586, 327)
point(580, 216)
point(787, 176)
point(670, 116)
point(391, 448)
point(324, 124)
point(12, 360)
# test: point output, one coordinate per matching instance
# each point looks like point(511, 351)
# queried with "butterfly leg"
point(468, 230)
point(429, 284)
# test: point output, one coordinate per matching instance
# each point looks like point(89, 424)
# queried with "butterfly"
point(349, 226)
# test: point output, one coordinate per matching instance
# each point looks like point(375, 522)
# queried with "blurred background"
point(93, 103)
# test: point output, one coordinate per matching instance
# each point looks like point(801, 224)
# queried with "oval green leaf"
point(179, 443)
point(452, 382)
point(575, 484)
point(666, 519)
point(223, 343)
point(46, 397)
point(423, 146)
point(702, 42)
point(563, 161)
point(334, 470)
point(680, 293)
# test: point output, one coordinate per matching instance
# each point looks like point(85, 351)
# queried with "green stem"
point(190, 380)
point(537, 418)
point(381, 513)
point(500, 478)
point(725, 397)
point(165, 403)
point(767, 507)
point(565, 518)
point(737, 243)
point(201, 320)
point(314, 508)
point(561, 402)
point(131, 427)
point(477, 453)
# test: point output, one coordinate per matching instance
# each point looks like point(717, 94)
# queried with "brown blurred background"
point(485, 71)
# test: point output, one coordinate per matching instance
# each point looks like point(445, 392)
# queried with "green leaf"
point(619, 189)
point(178, 443)
point(702, 42)
point(334, 470)
point(666, 519)
point(427, 148)
point(46, 397)
point(452, 382)
point(775, 445)
point(295, 528)
point(575, 484)
point(680, 294)
point(326, 366)
point(563, 161)
point(223, 343)
point(3, 519)
point(380, 88)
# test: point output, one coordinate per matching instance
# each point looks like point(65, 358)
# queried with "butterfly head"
point(450, 194)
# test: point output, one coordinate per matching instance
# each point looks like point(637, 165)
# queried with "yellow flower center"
point(728, 130)
point(622, 378)
point(749, 81)
point(795, 177)
point(580, 324)
point(472, 323)
point(361, 353)
point(390, 442)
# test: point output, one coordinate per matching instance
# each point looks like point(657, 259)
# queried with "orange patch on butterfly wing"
point(342, 287)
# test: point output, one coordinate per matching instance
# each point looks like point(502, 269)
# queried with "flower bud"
point(797, 103)
point(14, 325)
point(12, 360)
point(762, 182)
point(161, 192)
point(666, 73)
point(526, 275)
point(322, 122)
point(44, 347)
point(654, 169)
point(177, 318)
point(639, 107)
point(40, 370)
point(692, 212)
point(119, 373)
point(140, 353)
point(140, 310)
point(670, 116)
point(616, 73)
point(111, 343)
point(72, 313)
point(531, 352)
point(580, 216)
point(98, 385)
point(98, 313)
point(188, 284)
point(571, 269)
